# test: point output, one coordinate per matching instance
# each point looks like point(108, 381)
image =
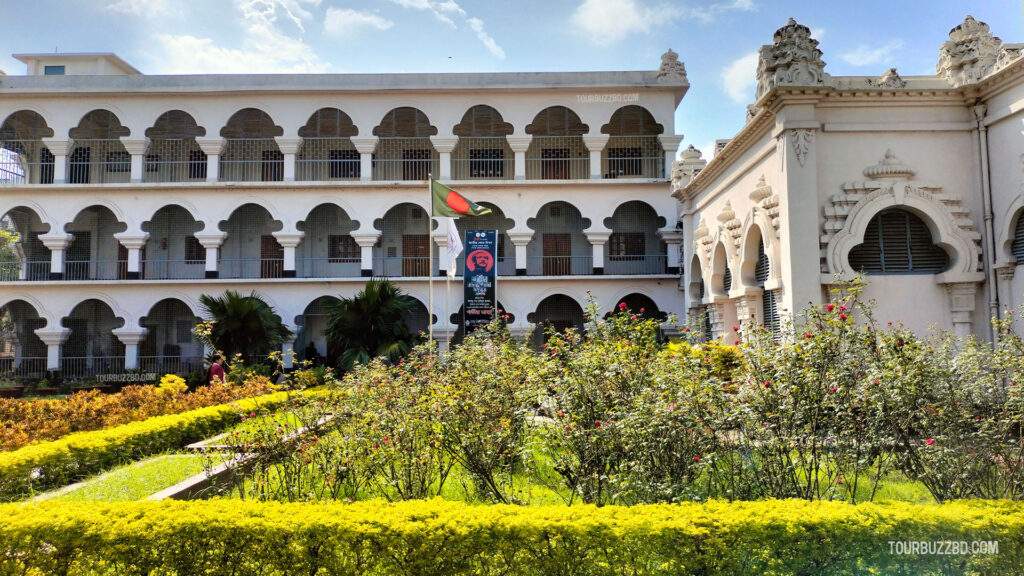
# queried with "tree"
point(370, 324)
point(243, 324)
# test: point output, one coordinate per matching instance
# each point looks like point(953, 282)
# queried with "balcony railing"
point(405, 159)
point(328, 267)
point(98, 161)
point(557, 158)
point(14, 368)
point(89, 366)
point(180, 365)
point(25, 271)
point(95, 269)
point(559, 265)
point(25, 162)
point(251, 268)
point(636, 264)
point(173, 269)
point(251, 160)
point(323, 159)
point(488, 158)
point(403, 267)
point(174, 160)
point(633, 157)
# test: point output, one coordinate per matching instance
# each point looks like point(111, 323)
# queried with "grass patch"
point(135, 481)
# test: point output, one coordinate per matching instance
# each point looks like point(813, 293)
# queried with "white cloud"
point(441, 11)
point(868, 55)
point(264, 47)
point(707, 151)
point(606, 22)
point(478, 26)
point(142, 8)
point(345, 21)
point(740, 78)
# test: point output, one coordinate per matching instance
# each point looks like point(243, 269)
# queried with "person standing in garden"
point(216, 372)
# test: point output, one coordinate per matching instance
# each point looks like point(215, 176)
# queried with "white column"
point(56, 242)
point(444, 146)
point(521, 239)
point(366, 241)
point(289, 147)
point(212, 148)
point(519, 146)
point(130, 337)
point(365, 145)
point(53, 338)
point(211, 241)
point(441, 239)
point(673, 239)
point(134, 244)
point(59, 148)
point(597, 239)
point(670, 144)
point(137, 148)
point(962, 300)
point(595, 143)
point(289, 240)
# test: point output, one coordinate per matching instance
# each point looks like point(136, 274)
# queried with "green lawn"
point(135, 481)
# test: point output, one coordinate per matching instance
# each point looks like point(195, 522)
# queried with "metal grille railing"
point(174, 160)
point(98, 161)
point(251, 268)
point(251, 160)
point(557, 158)
point(405, 159)
point(95, 269)
point(328, 267)
point(414, 266)
point(636, 264)
point(13, 368)
point(483, 157)
point(24, 271)
point(559, 265)
point(89, 366)
point(180, 365)
point(173, 269)
point(322, 159)
point(633, 157)
point(25, 162)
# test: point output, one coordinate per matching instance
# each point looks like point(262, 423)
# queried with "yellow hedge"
point(50, 464)
point(437, 537)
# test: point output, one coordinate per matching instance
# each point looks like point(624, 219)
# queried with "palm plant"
point(243, 324)
point(370, 324)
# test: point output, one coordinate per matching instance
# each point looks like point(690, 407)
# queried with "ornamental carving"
point(794, 59)
point(801, 139)
point(764, 200)
point(969, 55)
point(686, 168)
point(890, 79)
point(671, 69)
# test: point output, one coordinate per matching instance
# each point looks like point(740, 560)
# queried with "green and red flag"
point(448, 202)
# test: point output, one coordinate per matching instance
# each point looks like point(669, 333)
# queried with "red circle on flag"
point(457, 203)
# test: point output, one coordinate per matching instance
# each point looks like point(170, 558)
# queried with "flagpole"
point(430, 263)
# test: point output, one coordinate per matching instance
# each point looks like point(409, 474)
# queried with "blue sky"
point(717, 39)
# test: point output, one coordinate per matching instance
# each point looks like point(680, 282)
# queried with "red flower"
point(696, 458)
point(829, 307)
point(767, 384)
point(929, 441)
point(841, 308)
point(622, 305)
point(843, 316)
point(808, 335)
point(839, 480)
point(632, 317)
point(736, 342)
point(833, 389)
point(735, 328)
point(686, 329)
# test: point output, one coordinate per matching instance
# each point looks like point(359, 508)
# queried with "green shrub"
point(779, 537)
point(51, 464)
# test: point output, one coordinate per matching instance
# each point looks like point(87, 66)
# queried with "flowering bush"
point(172, 384)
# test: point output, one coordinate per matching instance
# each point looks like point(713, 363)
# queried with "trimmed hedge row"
point(48, 465)
point(437, 537)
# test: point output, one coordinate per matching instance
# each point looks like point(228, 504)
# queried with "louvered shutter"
point(1018, 240)
point(898, 242)
point(925, 257)
point(761, 268)
point(770, 311)
point(727, 279)
point(867, 257)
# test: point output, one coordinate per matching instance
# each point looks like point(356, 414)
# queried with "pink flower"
point(686, 329)
point(808, 335)
point(839, 480)
point(841, 308)
point(843, 316)
point(833, 389)
point(641, 310)
point(696, 458)
point(622, 305)
point(735, 328)
point(632, 317)
point(767, 384)
point(829, 307)
point(929, 441)
point(736, 342)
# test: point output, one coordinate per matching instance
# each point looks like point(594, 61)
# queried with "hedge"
point(240, 538)
point(47, 465)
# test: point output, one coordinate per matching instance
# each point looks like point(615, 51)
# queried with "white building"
point(133, 195)
point(914, 181)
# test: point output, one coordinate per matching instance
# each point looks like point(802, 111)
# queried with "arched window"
point(898, 242)
point(1018, 240)
point(727, 280)
point(769, 305)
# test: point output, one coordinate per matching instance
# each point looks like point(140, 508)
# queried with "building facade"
point(912, 182)
point(132, 195)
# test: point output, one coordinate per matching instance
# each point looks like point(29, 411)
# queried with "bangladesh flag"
point(448, 202)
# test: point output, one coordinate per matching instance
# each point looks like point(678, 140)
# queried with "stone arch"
point(251, 123)
point(1007, 230)
point(25, 124)
point(404, 122)
point(559, 311)
point(755, 232)
point(557, 121)
point(632, 120)
point(639, 304)
point(99, 124)
point(482, 120)
point(174, 124)
point(719, 265)
point(328, 123)
point(169, 339)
